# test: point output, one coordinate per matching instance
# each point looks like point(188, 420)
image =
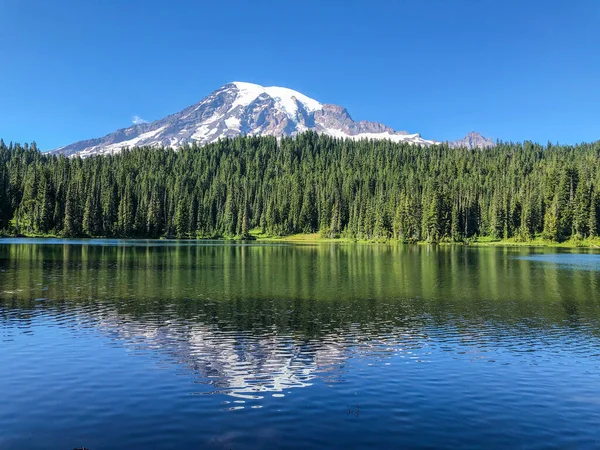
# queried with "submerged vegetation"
point(312, 184)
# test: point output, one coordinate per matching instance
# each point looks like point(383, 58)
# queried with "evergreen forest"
point(367, 190)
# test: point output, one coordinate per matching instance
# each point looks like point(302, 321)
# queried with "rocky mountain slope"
point(473, 140)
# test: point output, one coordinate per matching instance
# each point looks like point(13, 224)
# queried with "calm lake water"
point(171, 345)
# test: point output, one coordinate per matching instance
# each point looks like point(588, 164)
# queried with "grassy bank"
point(316, 238)
point(309, 238)
point(539, 242)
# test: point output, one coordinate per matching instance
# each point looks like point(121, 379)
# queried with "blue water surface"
point(170, 345)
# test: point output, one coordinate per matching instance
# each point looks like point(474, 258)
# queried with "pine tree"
point(182, 218)
point(551, 221)
point(72, 223)
point(126, 214)
point(154, 218)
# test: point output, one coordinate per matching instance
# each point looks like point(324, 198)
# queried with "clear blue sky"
point(511, 69)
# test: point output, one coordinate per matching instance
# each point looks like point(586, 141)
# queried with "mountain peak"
point(285, 98)
point(241, 108)
point(472, 140)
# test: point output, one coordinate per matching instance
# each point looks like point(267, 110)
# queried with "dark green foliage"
point(360, 190)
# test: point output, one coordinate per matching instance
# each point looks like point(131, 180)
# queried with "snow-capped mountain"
point(242, 109)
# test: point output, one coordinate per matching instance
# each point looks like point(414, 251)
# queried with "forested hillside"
point(311, 183)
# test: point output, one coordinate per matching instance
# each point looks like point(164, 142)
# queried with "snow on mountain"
point(285, 99)
point(241, 108)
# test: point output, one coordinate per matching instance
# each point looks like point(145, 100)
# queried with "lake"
point(114, 344)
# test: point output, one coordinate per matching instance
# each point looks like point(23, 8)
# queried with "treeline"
point(311, 183)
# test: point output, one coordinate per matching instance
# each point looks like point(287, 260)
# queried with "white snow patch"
point(142, 139)
point(412, 138)
point(285, 99)
point(233, 123)
point(201, 133)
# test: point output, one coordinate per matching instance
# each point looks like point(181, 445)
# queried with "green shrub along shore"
point(309, 188)
point(316, 238)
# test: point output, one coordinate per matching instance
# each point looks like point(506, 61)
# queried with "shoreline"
point(315, 238)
